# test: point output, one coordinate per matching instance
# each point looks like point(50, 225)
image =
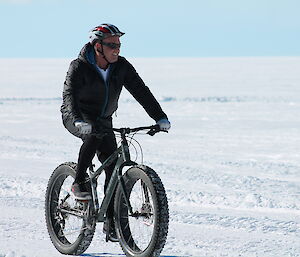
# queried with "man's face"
point(111, 48)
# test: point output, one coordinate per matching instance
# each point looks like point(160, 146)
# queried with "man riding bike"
point(90, 96)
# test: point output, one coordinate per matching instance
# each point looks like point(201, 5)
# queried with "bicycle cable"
point(136, 151)
point(130, 143)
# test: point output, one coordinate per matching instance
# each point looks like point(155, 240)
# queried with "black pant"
point(103, 146)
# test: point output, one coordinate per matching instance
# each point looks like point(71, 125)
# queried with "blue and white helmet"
point(103, 31)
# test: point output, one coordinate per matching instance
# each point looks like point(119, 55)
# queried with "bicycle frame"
point(141, 185)
point(122, 158)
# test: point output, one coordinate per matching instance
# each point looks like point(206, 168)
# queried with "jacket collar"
point(87, 55)
point(83, 53)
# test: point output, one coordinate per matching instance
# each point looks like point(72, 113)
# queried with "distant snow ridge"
point(267, 167)
point(204, 99)
point(226, 99)
point(29, 99)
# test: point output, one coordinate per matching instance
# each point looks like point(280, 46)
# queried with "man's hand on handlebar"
point(164, 124)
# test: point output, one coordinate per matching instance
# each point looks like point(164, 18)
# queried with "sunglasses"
point(112, 45)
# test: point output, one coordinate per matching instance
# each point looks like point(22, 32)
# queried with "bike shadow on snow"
point(117, 255)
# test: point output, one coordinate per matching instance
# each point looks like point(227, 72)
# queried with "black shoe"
point(110, 230)
point(79, 191)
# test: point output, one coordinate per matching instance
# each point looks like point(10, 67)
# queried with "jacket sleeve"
point(137, 88)
point(72, 82)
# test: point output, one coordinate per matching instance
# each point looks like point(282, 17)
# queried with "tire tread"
point(88, 233)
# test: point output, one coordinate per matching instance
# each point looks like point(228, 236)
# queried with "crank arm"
point(72, 212)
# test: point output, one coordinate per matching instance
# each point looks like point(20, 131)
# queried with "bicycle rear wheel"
point(143, 233)
point(66, 219)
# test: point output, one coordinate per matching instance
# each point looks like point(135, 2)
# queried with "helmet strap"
point(102, 53)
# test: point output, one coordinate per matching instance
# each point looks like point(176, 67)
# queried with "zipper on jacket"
point(106, 83)
point(106, 96)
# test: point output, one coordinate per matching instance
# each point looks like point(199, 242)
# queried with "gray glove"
point(83, 127)
point(164, 124)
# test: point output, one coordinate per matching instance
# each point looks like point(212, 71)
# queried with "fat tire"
point(154, 184)
point(61, 244)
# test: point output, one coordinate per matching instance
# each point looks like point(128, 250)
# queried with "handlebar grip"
point(154, 130)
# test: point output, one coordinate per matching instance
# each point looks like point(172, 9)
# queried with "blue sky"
point(156, 28)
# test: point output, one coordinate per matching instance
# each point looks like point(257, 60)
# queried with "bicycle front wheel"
point(143, 231)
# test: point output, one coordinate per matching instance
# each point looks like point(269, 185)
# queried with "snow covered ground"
point(230, 164)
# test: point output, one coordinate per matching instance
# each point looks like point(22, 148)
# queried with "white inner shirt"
point(104, 73)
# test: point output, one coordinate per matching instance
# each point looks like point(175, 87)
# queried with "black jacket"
point(87, 97)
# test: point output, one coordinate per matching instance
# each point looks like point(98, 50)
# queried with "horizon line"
point(170, 57)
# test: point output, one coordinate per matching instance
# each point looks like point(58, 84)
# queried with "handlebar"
point(152, 130)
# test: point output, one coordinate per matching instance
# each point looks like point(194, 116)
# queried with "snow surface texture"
point(230, 164)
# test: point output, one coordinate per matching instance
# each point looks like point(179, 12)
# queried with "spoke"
point(131, 238)
point(127, 225)
point(66, 197)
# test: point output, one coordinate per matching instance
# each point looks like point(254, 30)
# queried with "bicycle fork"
point(115, 179)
